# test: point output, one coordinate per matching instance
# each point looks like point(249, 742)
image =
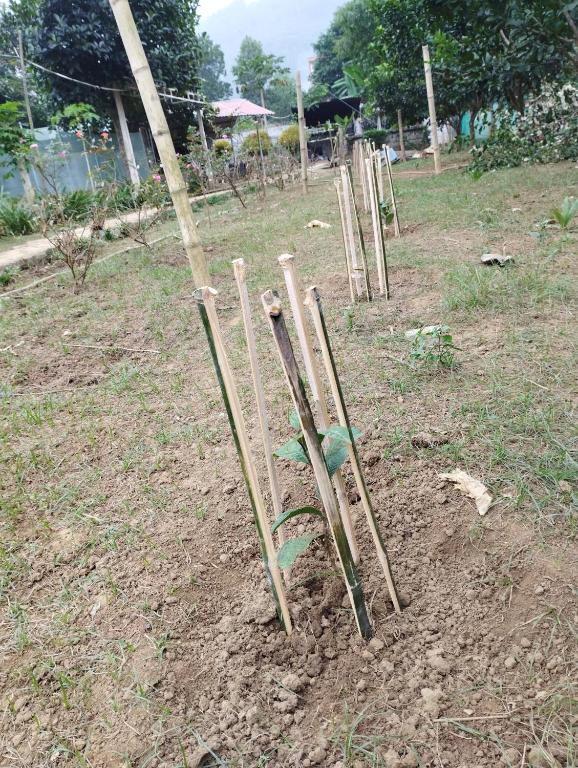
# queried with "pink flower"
point(62, 153)
point(34, 146)
point(78, 134)
point(156, 177)
point(104, 135)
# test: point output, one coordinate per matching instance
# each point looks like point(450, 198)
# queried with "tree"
point(254, 70)
point(81, 39)
point(213, 70)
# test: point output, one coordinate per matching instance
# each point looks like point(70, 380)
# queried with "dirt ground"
point(136, 628)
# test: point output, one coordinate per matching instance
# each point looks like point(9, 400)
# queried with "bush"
point(251, 143)
point(76, 206)
point(289, 139)
point(377, 135)
point(222, 147)
point(15, 219)
point(547, 132)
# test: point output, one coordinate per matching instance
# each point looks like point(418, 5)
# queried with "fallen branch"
point(113, 346)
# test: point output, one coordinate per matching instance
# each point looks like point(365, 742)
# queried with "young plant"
point(434, 344)
point(566, 212)
point(335, 442)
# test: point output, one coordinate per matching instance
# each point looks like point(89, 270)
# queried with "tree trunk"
point(29, 192)
point(473, 115)
point(116, 123)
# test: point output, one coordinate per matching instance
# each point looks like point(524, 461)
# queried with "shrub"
point(377, 135)
point(547, 132)
point(222, 147)
point(15, 219)
point(289, 139)
point(251, 143)
point(76, 205)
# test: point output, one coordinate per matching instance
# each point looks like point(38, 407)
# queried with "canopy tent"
point(229, 109)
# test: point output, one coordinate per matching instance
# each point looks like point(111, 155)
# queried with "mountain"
point(286, 28)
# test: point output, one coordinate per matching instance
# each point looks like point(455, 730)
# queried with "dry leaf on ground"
point(316, 223)
point(471, 487)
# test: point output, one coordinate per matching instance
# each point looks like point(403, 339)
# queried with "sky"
point(286, 28)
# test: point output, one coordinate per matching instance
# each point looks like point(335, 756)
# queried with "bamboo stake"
point(295, 293)
point(364, 189)
point(126, 142)
point(313, 302)
point(359, 234)
point(379, 171)
point(337, 184)
point(432, 108)
point(302, 131)
point(240, 271)
point(354, 588)
point(381, 236)
point(160, 130)
point(345, 186)
point(206, 304)
point(377, 240)
point(401, 139)
point(396, 228)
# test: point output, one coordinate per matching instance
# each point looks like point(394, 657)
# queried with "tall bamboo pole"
point(24, 80)
point(353, 584)
point(359, 233)
point(401, 139)
point(313, 302)
point(346, 187)
point(377, 238)
point(379, 171)
point(302, 131)
point(432, 108)
point(206, 303)
point(396, 227)
point(381, 235)
point(240, 271)
point(295, 293)
point(338, 188)
point(160, 130)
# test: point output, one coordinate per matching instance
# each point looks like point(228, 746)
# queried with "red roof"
point(239, 108)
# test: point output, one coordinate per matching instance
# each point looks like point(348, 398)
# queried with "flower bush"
point(251, 143)
point(289, 139)
point(547, 132)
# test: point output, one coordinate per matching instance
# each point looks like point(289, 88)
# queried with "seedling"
point(434, 345)
point(566, 212)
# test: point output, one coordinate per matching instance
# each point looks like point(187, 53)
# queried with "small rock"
point(376, 645)
point(292, 682)
point(428, 440)
point(410, 761)
point(525, 643)
point(361, 685)
point(539, 590)
point(317, 755)
point(537, 758)
point(510, 662)
point(510, 757)
point(391, 759)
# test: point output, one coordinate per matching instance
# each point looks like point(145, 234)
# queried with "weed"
point(433, 345)
point(15, 219)
point(7, 275)
point(566, 212)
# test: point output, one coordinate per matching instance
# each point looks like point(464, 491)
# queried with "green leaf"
point(294, 420)
point(341, 434)
point(292, 450)
point(335, 456)
point(289, 513)
point(291, 550)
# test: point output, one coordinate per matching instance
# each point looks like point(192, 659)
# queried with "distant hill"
point(285, 28)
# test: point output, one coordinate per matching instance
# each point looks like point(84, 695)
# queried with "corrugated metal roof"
point(239, 108)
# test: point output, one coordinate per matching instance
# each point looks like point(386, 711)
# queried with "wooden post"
point(381, 235)
point(302, 131)
point(295, 294)
point(338, 190)
point(401, 139)
point(240, 271)
point(125, 138)
point(361, 173)
point(160, 130)
point(346, 560)
point(356, 272)
point(432, 108)
point(359, 233)
point(261, 159)
point(313, 302)
point(379, 172)
point(204, 144)
point(396, 228)
point(24, 80)
point(264, 107)
point(377, 240)
point(206, 303)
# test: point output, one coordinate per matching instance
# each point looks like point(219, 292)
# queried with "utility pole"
point(125, 138)
point(302, 131)
point(432, 108)
point(160, 130)
point(24, 80)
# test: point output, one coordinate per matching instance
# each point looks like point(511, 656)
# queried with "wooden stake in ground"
point(313, 302)
point(240, 270)
point(206, 303)
point(381, 227)
point(338, 190)
point(302, 131)
point(359, 233)
point(375, 223)
point(432, 108)
point(379, 173)
point(205, 146)
point(355, 271)
point(396, 228)
point(295, 294)
point(354, 588)
point(401, 139)
point(160, 130)
point(361, 174)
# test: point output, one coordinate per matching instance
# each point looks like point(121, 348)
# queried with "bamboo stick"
point(381, 236)
point(354, 588)
point(160, 130)
point(313, 302)
point(396, 228)
point(349, 223)
point(379, 171)
point(432, 108)
point(401, 139)
point(302, 131)
point(338, 187)
point(295, 293)
point(364, 190)
point(207, 309)
point(359, 234)
point(240, 271)
point(377, 240)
